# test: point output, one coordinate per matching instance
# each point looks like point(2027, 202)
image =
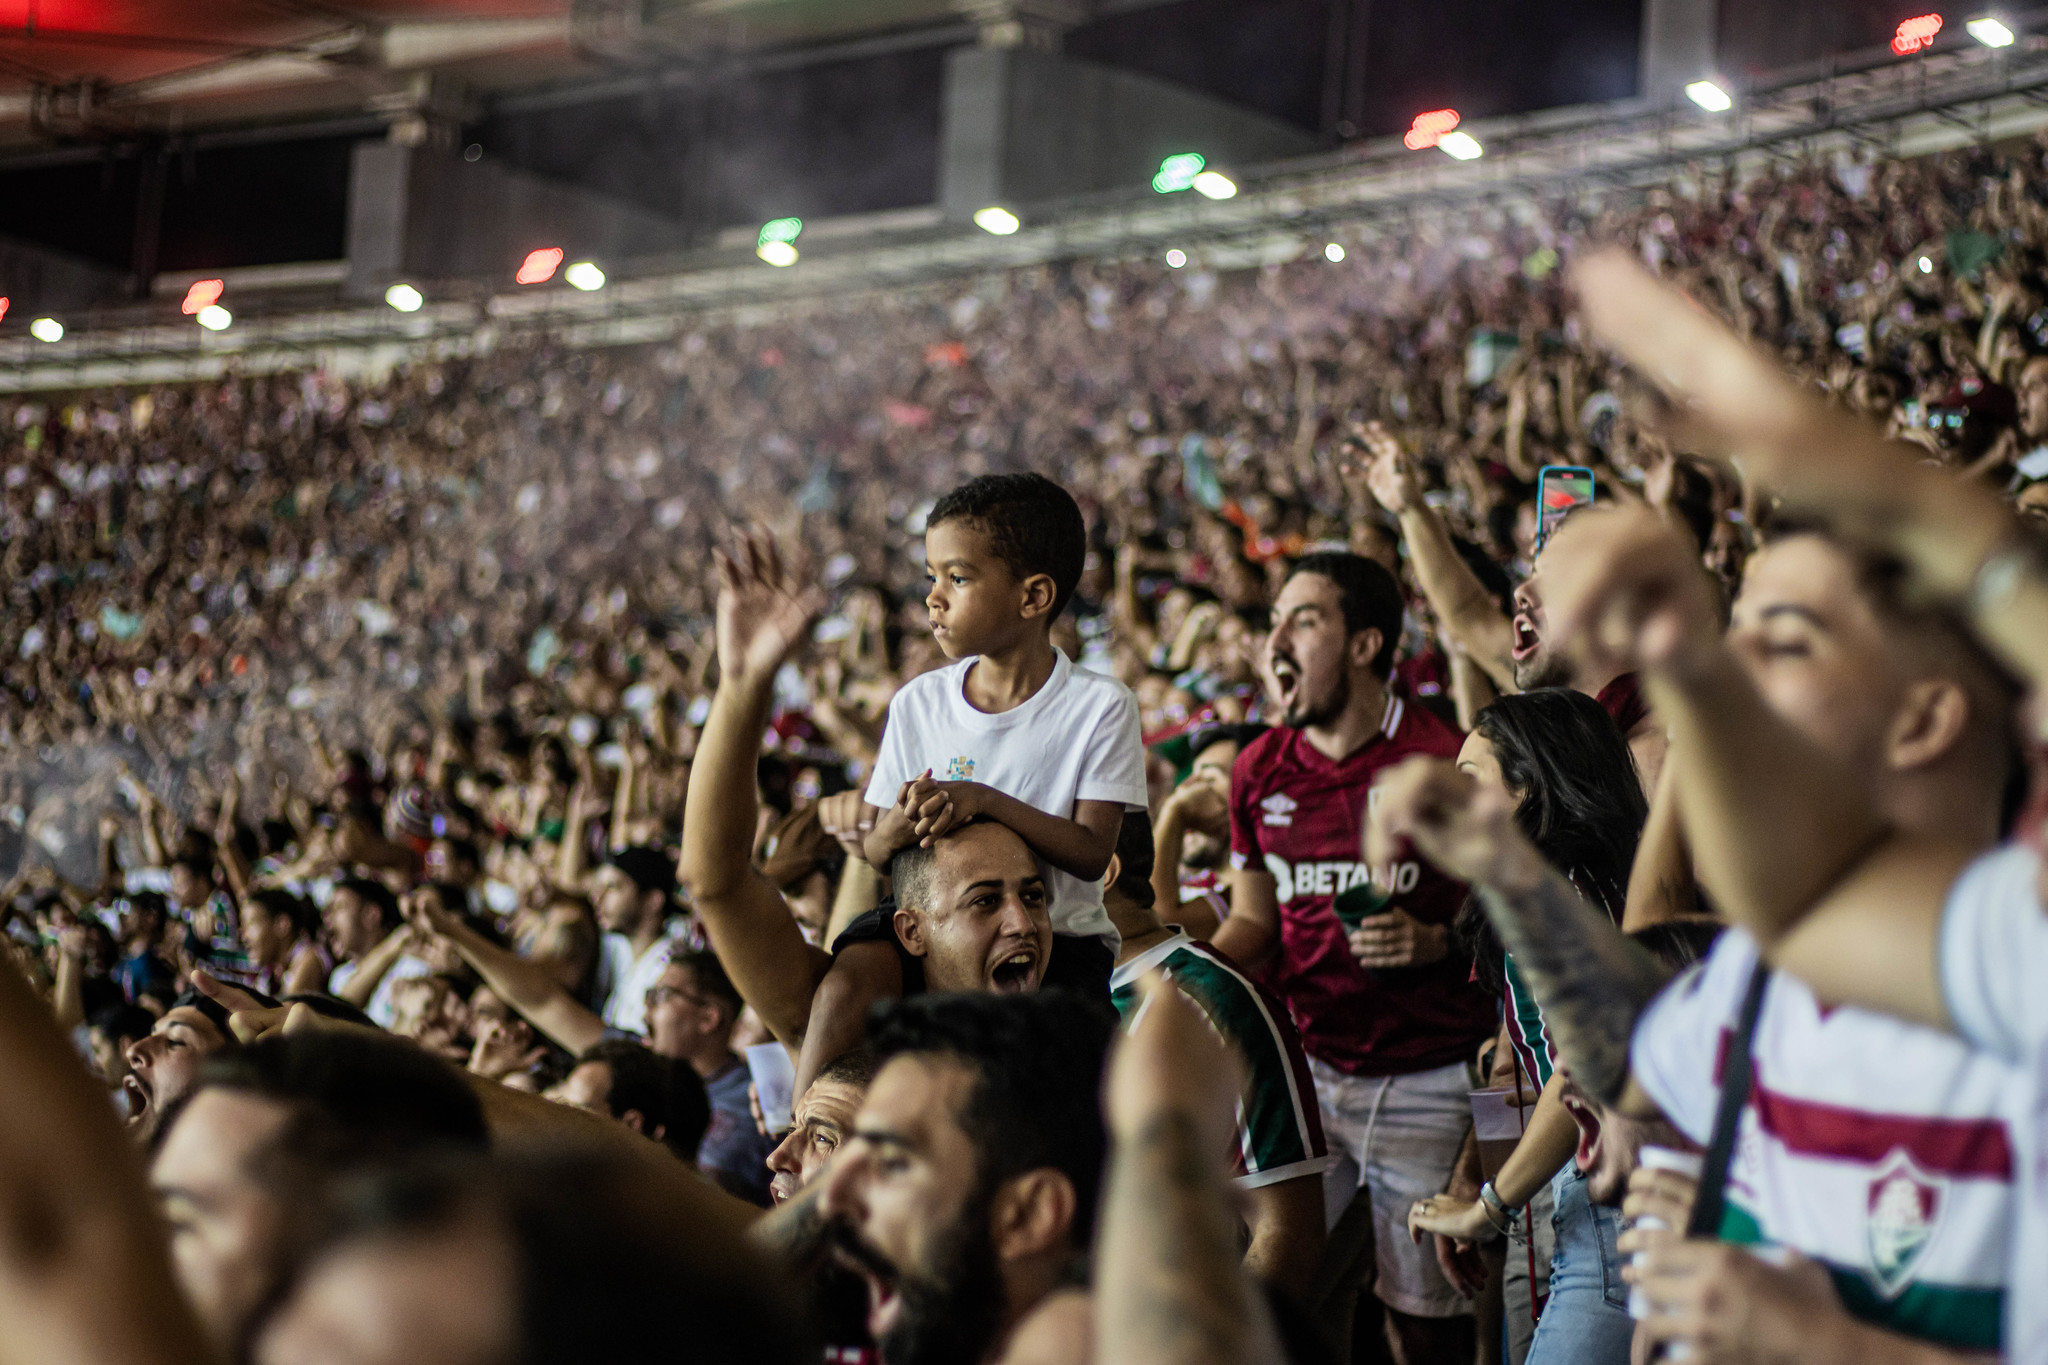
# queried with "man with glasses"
point(692, 1010)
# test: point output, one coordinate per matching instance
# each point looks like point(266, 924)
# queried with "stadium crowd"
point(556, 852)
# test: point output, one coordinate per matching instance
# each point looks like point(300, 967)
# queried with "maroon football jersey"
point(1299, 816)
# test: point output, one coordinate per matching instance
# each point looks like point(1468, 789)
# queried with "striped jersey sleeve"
point(1527, 1031)
point(1279, 1127)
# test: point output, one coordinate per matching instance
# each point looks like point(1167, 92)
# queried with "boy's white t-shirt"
point(1076, 739)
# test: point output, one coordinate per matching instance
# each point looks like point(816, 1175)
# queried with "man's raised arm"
point(1467, 612)
point(1956, 534)
point(764, 612)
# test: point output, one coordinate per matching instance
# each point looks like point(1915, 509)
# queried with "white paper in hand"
point(774, 1082)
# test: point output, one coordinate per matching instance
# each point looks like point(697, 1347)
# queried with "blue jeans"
point(1586, 1321)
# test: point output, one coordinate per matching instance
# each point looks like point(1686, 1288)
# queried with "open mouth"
point(1589, 1132)
point(1527, 641)
point(1286, 677)
point(884, 1302)
point(138, 1097)
point(1016, 973)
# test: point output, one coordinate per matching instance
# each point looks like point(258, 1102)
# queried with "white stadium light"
point(1710, 97)
point(777, 253)
point(404, 298)
point(1176, 258)
point(1000, 221)
point(46, 329)
point(215, 318)
point(1215, 185)
point(1463, 146)
point(584, 275)
point(1989, 32)
point(1333, 253)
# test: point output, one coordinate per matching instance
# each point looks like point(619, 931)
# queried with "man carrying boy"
point(1013, 733)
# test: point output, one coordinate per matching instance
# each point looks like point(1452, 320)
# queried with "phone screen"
point(1560, 491)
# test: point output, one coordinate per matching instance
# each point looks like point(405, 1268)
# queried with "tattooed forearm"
point(1591, 981)
point(1170, 1289)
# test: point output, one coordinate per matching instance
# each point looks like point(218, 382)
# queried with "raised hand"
point(844, 816)
point(427, 916)
point(1625, 590)
point(1373, 461)
point(248, 1017)
point(1467, 830)
point(765, 608)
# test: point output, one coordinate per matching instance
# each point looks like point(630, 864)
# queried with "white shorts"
point(1395, 1140)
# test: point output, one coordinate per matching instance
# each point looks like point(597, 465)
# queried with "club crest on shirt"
point(1279, 808)
point(960, 770)
point(1905, 1205)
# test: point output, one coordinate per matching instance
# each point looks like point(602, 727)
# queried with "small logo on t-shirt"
point(1905, 1203)
point(1279, 808)
point(960, 770)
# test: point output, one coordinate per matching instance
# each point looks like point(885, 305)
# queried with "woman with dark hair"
point(1578, 798)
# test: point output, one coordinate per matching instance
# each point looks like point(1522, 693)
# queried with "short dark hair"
point(1134, 860)
point(592, 1240)
point(276, 902)
point(121, 1021)
point(374, 893)
point(1033, 525)
point(356, 1099)
point(151, 902)
point(667, 1093)
point(910, 875)
point(855, 1067)
point(1370, 597)
point(709, 973)
point(1207, 736)
point(647, 867)
point(1037, 1061)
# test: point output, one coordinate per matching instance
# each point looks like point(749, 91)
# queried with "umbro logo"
point(1279, 808)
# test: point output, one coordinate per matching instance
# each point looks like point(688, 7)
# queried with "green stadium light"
point(1178, 172)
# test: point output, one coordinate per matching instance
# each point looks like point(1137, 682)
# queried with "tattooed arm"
point(1170, 1287)
point(1591, 981)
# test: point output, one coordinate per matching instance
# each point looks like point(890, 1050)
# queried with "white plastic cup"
point(1687, 1164)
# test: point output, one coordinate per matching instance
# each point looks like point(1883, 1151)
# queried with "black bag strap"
point(1711, 1202)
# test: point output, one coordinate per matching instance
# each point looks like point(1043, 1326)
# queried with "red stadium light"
point(1916, 34)
point(202, 295)
point(539, 266)
point(1428, 129)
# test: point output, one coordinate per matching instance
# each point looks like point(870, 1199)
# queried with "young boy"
point(1013, 732)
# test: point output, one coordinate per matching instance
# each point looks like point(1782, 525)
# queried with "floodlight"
point(1463, 146)
point(1710, 97)
point(1989, 32)
point(1000, 221)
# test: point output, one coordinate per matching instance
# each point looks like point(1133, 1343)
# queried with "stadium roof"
point(89, 70)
